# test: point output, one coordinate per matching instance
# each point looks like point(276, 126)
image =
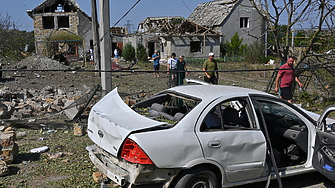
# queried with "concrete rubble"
point(18, 104)
point(31, 103)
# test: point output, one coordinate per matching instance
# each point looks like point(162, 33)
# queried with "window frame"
point(61, 20)
point(244, 22)
point(47, 21)
point(195, 46)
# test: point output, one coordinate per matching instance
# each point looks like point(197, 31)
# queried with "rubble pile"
point(27, 103)
point(40, 62)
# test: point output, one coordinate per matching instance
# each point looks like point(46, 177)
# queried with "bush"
point(141, 53)
point(128, 52)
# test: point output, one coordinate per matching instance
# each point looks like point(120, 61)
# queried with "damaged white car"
point(208, 136)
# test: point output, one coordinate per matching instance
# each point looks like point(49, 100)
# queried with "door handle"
point(214, 144)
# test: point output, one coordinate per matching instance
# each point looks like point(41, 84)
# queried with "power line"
point(126, 13)
point(119, 20)
point(186, 6)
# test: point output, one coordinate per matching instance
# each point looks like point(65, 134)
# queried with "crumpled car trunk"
point(111, 121)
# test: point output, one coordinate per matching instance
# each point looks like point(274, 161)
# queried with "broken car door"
point(229, 137)
point(324, 149)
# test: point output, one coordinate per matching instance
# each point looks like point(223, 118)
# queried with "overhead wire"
point(186, 6)
point(101, 38)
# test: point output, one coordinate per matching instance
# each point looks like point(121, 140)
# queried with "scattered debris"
point(58, 155)
point(40, 62)
point(3, 168)
point(39, 150)
point(78, 130)
point(40, 138)
point(21, 134)
point(98, 177)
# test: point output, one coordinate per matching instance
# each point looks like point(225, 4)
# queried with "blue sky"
point(145, 8)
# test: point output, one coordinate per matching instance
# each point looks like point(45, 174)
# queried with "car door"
point(239, 148)
point(324, 148)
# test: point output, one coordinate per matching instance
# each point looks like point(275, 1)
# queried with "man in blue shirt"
point(156, 59)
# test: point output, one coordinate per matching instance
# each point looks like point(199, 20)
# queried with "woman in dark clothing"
point(181, 66)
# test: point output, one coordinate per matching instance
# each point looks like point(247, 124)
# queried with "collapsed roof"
point(51, 6)
point(173, 26)
point(212, 13)
point(119, 30)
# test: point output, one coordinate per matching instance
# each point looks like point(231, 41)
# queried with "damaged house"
point(175, 34)
point(61, 27)
point(230, 16)
point(117, 34)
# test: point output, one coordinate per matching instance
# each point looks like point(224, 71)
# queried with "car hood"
point(111, 121)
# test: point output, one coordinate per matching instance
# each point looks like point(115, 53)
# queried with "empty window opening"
point(244, 22)
point(195, 46)
point(63, 22)
point(162, 47)
point(48, 22)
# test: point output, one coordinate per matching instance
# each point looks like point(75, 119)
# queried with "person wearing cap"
point(211, 65)
point(156, 59)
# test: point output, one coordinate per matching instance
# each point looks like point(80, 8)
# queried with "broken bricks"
point(78, 130)
point(98, 177)
point(3, 168)
point(9, 150)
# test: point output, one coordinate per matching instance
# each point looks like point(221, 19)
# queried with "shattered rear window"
point(166, 107)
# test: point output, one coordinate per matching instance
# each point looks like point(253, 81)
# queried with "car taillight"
point(134, 154)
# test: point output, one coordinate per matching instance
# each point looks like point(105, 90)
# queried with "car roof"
point(211, 92)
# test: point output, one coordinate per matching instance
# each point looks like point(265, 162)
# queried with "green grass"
point(37, 170)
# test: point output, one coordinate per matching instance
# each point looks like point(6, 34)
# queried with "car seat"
point(230, 116)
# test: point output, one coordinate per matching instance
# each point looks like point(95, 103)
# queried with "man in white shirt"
point(172, 67)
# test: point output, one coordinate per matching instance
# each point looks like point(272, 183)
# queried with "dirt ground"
point(73, 168)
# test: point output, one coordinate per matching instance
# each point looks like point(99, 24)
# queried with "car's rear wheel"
point(197, 178)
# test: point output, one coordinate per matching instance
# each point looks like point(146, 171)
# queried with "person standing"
point(116, 55)
point(181, 66)
point(172, 68)
point(156, 59)
point(285, 77)
point(211, 65)
point(91, 56)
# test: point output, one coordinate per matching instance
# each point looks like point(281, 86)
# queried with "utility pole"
point(105, 46)
point(96, 41)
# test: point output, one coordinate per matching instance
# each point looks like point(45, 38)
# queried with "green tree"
point(235, 46)
point(128, 52)
point(141, 53)
point(12, 40)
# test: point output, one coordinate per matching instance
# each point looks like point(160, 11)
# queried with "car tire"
point(198, 177)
